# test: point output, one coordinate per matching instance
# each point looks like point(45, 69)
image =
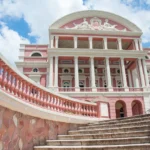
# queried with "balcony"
point(101, 89)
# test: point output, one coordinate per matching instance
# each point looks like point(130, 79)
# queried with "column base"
point(55, 89)
point(77, 89)
point(126, 89)
point(94, 89)
point(110, 89)
point(146, 88)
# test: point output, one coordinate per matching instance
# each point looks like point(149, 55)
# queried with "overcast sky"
point(27, 21)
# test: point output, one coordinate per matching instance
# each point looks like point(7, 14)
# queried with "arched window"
point(66, 71)
point(35, 70)
point(36, 54)
point(80, 71)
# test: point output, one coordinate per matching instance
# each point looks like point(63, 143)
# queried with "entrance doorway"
point(136, 108)
point(120, 109)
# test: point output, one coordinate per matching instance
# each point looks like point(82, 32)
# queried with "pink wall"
point(43, 80)
point(128, 102)
point(30, 69)
point(29, 52)
point(30, 130)
point(112, 102)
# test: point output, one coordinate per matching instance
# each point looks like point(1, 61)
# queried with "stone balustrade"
point(23, 88)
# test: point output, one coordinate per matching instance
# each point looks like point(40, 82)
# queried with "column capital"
point(140, 39)
point(56, 37)
point(139, 59)
point(122, 58)
point(50, 57)
point(75, 37)
point(105, 38)
point(119, 39)
point(90, 38)
point(52, 37)
point(135, 40)
point(76, 57)
point(107, 57)
point(92, 57)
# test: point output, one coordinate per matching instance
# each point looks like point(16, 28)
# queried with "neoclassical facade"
point(93, 56)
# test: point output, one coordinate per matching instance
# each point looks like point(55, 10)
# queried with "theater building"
point(93, 56)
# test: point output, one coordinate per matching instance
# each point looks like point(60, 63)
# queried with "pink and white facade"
point(93, 56)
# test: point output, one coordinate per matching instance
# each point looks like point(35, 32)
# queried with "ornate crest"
point(95, 24)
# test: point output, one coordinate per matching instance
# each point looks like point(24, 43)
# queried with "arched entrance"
point(136, 108)
point(120, 107)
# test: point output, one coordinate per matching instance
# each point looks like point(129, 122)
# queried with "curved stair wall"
point(22, 132)
point(19, 93)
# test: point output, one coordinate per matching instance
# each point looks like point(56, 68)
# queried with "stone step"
point(118, 124)
point(106, 135)
point(96, 147)
point(122, 120)
point(110, 130)
point(111, 141)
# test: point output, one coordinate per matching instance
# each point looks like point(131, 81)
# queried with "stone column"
point(90, 42)
point(92, 71)
point(56, 72)
point(140, 43)
point(56, 41)
point(136, 44)
point(141, 73)
point(109, 84)
point(119, 43)
point(50, 71)
point(145, 72)
point(76, 68)
point(129, 77)
point(52, 41)
point(75, 41)
point(123, 74)
point(105, 43)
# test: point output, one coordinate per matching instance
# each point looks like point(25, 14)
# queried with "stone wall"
point(22, 132)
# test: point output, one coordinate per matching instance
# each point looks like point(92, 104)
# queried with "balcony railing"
point(20, 86)
point(100, 89)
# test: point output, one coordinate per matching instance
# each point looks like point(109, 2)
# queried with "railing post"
point(98, 109)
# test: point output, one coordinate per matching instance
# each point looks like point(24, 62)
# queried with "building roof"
point(95, 13)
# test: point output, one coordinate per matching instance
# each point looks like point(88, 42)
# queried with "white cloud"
point(9, 43)
point(138, 16)
point(39, 14)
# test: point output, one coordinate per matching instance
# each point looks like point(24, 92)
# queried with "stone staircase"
point(121, 134)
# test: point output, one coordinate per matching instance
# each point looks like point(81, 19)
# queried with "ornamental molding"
point(95, 24)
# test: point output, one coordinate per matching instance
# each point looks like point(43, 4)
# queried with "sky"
point(27, 21)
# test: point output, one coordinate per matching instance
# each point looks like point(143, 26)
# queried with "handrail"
point(20, 86)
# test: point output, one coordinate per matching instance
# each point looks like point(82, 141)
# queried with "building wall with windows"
point(93, 56)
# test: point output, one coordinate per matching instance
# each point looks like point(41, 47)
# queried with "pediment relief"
point(95, 23)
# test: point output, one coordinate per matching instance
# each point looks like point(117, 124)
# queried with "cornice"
point(91, 32)
point(32, 64)
point(96, 53)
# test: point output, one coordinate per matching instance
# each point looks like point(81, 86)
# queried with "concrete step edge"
point(98, 125)
point(108, 129)
point(125, 118)
point(95, 146)
point(105, 133)
point(109, 139)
